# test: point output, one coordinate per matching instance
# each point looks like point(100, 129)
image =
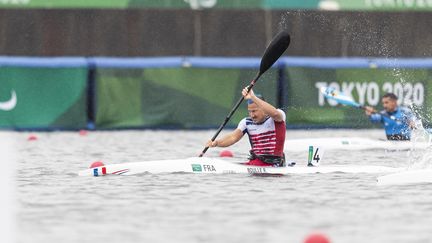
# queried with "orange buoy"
point(316, 238)
point(226, 153)
point(32, 137)
point(96, 164)
point(83, 132)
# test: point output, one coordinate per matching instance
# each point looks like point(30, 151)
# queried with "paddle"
point(275, 49)
point(333, 94)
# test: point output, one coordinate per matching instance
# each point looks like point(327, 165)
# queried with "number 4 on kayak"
point(315, 156)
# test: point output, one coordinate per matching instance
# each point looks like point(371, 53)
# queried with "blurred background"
point(98, 64)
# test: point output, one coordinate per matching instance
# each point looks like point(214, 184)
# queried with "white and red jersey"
point(267, 137)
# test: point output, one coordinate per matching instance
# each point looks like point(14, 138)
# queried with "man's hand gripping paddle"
point(276, 48)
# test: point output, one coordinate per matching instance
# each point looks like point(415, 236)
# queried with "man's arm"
point(227, 140)
point(372, 114)
point(267, 108)
point(369, 110)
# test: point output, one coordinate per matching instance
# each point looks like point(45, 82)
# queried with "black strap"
point(398, 137)
point(269, 158)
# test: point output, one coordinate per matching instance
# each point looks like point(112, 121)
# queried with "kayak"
point(206, 165)
point(406, 177)
point(352, 143)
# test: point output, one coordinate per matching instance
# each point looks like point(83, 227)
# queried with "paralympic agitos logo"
point(9, 104)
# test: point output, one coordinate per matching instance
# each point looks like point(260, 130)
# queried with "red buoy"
point(226, 153)
point(83, 132)
point(96, 164)
point(32, 137)
point(316, 238)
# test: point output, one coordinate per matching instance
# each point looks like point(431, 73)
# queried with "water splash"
point(365, 38)
point(420, 158)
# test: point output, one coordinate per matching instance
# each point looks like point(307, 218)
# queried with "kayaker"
point(265, 127)
point(397, 120)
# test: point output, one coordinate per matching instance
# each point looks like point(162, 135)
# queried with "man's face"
point(256, 113)
point(389, 104)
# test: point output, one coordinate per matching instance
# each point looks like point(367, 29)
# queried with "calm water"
point(55, 205)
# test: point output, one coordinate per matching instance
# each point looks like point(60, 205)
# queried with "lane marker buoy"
point(32, 137)
point(226, 153)
point(96, 164)
point(316, 238)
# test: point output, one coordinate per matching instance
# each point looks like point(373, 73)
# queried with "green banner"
point(64, 3)
point(421, 5)
point(174, 97)
point(245, 4)
point(197, 4)
point(283, 4)
point(43, 97)
point(192, 4)
point(307, 106)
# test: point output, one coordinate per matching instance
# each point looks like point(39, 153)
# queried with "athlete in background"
point(265, 127)
point(397, 120)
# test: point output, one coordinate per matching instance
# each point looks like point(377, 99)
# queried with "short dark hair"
point(391, 96)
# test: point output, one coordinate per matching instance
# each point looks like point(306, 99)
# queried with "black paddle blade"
point(276, 48)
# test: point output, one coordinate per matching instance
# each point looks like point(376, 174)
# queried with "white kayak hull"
point(406, 177)
point(207, 165)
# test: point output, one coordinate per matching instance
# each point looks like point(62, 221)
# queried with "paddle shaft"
point(228, 117)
